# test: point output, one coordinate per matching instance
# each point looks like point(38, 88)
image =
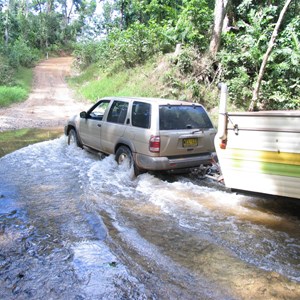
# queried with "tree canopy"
point(28, 27)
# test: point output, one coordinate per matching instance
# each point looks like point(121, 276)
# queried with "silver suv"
point(152, 134)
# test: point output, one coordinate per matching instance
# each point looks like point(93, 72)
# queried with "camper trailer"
point(259, 151)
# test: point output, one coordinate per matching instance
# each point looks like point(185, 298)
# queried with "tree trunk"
point(255, 94)
point(6, 30)
point(122, 12)
point(219, 15)
point(70, 12)
point(49, 6)
point(10, 11)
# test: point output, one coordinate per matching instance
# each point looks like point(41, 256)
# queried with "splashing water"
point(86, 227)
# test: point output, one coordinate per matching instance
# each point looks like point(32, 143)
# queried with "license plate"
point(192, 142)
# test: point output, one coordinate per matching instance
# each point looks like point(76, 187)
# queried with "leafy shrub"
point(22, 55)
point(9, 95)
point(193, 23)
point(124, 48)
point(134, 45)
point(86, 53)
point(6, 72)
point(242, 54)
point(185, 60)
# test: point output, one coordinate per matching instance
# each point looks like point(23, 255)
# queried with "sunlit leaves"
point(243, 51)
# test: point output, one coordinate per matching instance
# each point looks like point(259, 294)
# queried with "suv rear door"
point(139, 132)
point(113, 129)
point(185, 130)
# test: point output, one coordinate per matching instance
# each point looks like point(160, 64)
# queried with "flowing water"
point(74, 226)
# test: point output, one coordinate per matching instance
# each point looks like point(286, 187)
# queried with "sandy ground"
point(50, 103)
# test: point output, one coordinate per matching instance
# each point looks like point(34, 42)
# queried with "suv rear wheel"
point(124, 155)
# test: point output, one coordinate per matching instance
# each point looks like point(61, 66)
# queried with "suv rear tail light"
point(154, 143)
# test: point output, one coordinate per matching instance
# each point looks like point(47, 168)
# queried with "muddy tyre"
point(73, 138)
point(124, 155)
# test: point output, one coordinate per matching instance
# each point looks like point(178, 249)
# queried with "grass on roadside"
point(9, 95)
point(94, 84)
point(19, 91)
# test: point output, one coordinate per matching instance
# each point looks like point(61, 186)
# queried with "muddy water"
point(73, 226)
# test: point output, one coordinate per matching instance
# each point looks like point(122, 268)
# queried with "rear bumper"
point(164, 163)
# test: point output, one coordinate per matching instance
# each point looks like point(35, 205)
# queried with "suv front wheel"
point(124, 155)
point(73, 139)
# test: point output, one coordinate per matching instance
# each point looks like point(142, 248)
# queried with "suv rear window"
point(183, 117)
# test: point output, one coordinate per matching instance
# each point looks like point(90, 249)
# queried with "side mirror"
point(83, 115)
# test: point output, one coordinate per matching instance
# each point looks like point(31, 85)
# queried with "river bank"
point(13, 140)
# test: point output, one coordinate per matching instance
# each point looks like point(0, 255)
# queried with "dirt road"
point(50, 103)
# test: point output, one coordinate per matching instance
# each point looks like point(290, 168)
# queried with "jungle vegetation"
point(239, 42)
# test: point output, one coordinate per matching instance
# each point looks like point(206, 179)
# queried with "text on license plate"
point(191, 142)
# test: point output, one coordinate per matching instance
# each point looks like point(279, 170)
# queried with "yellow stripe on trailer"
point(263, 156)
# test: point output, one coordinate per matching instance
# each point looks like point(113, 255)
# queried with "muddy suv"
point(152, 134)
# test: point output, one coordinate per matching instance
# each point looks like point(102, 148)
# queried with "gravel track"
point(50, 102)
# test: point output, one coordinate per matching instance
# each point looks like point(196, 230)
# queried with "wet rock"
point(113, 264)
point(20, 275)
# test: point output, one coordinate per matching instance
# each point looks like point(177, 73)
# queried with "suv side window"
point(118, 112)
point(98, 112)
point(141, 114)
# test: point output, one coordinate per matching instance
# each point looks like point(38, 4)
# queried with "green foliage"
point(283, 71)
point(24, 78)
point(144, 11)
point(92, 72)
point(106, 86)
point(40, 25)
point(242, 54)
point(185, 60)
point(130, 32)
point(140, 29)
point(10, 95)
point(86, 54)
point(6, 72)
point(130, 82)
point(193, 23)
point(146, 28)
point(161, 77)
point(132, 46)
point(123, 48)
point(18, 89)
point(21, 54)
